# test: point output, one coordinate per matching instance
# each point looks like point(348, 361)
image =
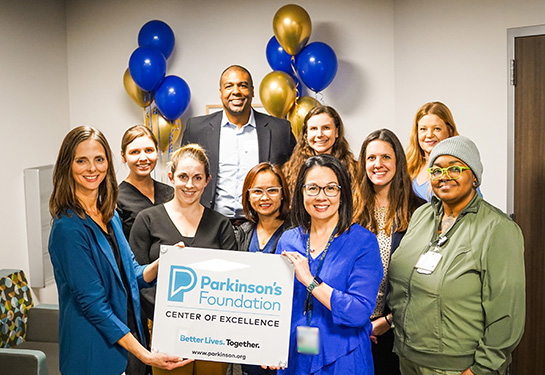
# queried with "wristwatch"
point(317, 281)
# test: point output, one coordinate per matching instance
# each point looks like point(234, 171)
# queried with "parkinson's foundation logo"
point(182, 279)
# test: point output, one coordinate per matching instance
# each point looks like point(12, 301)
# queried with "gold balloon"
point(297, 113)
point(166, 132)
point(292, 28)
point(277, 92)
point(140, 97)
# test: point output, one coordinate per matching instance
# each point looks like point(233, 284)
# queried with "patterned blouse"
point(385, 244)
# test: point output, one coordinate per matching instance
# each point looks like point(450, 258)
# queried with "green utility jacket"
point(469, 312)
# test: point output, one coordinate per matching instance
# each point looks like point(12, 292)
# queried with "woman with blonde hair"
point(182, 220)
point(95, 271)
point(139, 150)
point(323, 133)
point(433, 123)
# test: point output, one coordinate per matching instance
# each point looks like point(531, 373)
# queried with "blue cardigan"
point(92, 298)
point(353, 268)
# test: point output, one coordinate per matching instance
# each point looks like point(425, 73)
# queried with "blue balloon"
point(172, 97)
point(278, 58)
point(157, 34)
point(317, 65)
point(147, 67)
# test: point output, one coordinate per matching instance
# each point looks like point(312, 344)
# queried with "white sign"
point(223, 306)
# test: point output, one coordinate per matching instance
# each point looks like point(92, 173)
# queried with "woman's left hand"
point(302, 270)
point(150, 272)
point(380, 326)
point(467, 372)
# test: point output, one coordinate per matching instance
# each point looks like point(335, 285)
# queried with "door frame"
point(511, 35)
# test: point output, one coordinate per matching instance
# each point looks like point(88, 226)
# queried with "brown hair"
point(341, 150)
point(193, 151)
point(250, 213)
point(401, 197)
point(64, 197)
point(415, 155)
point(134, 132)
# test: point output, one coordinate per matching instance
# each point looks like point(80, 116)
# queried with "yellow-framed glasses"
point(453, 172)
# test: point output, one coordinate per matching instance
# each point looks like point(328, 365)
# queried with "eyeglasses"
point(272, 191)
point(453, 172)
point(331, 190)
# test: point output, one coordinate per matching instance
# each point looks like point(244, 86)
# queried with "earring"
point(474, 183)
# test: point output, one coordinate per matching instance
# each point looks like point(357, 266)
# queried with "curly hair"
point(341, 150)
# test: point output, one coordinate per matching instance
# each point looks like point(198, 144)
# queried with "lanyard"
point(309, 299)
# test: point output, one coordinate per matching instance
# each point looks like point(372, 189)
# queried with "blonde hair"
point(415, 155)
point(193, 151)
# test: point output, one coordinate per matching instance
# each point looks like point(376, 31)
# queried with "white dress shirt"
point(238, 153)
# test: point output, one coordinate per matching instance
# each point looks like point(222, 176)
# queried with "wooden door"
point(529, 195)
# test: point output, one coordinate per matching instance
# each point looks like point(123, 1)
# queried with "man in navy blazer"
point(236, 139)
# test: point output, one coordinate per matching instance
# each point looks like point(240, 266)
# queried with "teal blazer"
point(92, 298)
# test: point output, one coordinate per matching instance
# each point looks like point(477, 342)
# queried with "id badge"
point(308, 340)
point(427, 262)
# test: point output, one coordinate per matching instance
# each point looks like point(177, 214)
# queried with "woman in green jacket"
point(457, 279)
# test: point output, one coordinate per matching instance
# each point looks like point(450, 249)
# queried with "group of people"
point(401, 266)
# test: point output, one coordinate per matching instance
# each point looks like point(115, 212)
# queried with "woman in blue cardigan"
point(338, 270)
point(96, 274)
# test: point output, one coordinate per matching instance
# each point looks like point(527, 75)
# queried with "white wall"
point(456, 52)
point(63, 62)
point(34, 107)
point(211, 35)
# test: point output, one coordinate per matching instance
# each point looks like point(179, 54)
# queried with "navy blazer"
point(92, 298)
point(274, 136)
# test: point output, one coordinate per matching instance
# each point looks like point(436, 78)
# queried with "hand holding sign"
point(223, 306)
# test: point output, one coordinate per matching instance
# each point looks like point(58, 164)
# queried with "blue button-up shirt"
point(238, 153)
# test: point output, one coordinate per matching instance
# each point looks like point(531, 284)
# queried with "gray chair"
point(39, 353)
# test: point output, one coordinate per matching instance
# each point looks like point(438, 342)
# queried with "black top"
point(131, 201)
point(153, 228)
point(131, 317)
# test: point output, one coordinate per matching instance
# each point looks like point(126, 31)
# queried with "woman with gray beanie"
point(457, 279)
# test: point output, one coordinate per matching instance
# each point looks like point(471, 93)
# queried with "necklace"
point(264, 236)
point(309, 250)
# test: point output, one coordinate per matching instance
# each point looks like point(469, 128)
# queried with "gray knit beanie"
point(462, 148)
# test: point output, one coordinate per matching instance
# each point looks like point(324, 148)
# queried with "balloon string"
point(155, 112)
point(149, 124)
point(297, 84)
point(320, 100)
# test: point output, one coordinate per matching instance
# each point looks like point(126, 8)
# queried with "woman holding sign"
point(338, 270)
point(183, 219)
point(96, 274)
